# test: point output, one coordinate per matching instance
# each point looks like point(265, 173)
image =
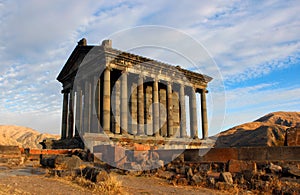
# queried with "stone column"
point(98, 105)
point(133, 109)
point(93, 115)
point(71, 115)
point(155, 108)
point(116, 106)
point(141, 130)
point(78, 123)
point(204, 114)
point(170, 110)
point(87, 106)
point(163, 112)
point(64, 122)
point(193, 114)
point(148, 111)
point(182, 111)
point(106, 101)
point(124, 103)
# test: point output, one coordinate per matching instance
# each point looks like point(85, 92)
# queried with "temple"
point(112, 92)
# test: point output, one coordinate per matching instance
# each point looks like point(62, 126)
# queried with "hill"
point(22, 136)
point(268, 130)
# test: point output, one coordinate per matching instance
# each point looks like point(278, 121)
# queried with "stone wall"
point(245, 153)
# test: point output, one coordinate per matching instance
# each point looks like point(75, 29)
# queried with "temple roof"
point(117, 56)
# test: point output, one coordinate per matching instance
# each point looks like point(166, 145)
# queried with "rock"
point(182, 181)
point(211, 182)
point(189, 173)
point(94, 174)
point(197, 179)
point(165, 174)
point(294, 171)
point(267, 177)
point(226, 177)
point(204, 167)
point(274, 168)
point(223, 186)
point(66, 162)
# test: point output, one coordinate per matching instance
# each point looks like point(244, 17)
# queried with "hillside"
point(268, 130)
point(22, 136)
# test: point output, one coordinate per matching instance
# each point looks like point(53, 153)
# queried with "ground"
point(34, 180)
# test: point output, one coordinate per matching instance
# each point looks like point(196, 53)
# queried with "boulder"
point(226, 177)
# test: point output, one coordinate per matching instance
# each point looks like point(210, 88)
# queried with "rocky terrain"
point(268, 130)
point(22, 136)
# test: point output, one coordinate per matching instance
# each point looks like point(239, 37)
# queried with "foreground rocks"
point(265, 177)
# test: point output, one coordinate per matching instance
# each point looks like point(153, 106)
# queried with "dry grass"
point(110, 186)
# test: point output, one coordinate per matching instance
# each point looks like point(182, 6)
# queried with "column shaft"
point(155, 109)
point(141, 130)
point(116, 106)
point(170, 110)
point(182, 112)
point(98, 105)
point(87, 106)
point(71, 115)
point(106, 101)
point(193, 114)
point(64, 122)
point(133, 109)
point(78, 120)
point(124, 103)
point(204, 115)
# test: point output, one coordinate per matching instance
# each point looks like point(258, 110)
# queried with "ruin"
point(118, 93)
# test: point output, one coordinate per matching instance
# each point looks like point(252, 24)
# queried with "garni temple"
point(110, 94)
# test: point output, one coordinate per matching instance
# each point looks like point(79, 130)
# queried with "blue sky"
point(255, 44)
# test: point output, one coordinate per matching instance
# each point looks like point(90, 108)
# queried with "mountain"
point(268, 130)
point(22, 136)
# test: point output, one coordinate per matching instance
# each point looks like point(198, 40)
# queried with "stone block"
point(238, 166)
point(226, 177)
point(110, 154)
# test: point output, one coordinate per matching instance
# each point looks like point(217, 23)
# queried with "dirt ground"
point(33, 180)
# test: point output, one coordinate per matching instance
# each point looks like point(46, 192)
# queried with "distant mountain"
point(268, 130)
point(22, 136)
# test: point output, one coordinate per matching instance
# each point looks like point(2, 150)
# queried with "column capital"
point(108, 68)
point(141, 77)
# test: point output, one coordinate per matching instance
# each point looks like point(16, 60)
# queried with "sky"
point(255, 46)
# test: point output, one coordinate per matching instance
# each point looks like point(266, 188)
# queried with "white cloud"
point(246, 39)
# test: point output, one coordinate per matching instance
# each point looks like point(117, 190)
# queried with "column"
point(64, 122)
point(133, 109)
point(170, 110)
point(163, 112)
point(71, 115)
point(106, 101)
point(148, 112)
point(155, 108)
point(124, 103)
point(78, 120)
point(98, 105)
point(93, 114)
point(116, 106)
point(87, 106)
point(193, 114)
point(204, 114)
point(182, 111)
point(141, 130)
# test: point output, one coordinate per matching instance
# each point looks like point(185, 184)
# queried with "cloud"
point(247, 40)
point(249, 103)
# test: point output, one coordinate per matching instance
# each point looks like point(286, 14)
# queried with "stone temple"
point(122, 95)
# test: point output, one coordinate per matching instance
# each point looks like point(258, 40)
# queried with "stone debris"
point(226, 177)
